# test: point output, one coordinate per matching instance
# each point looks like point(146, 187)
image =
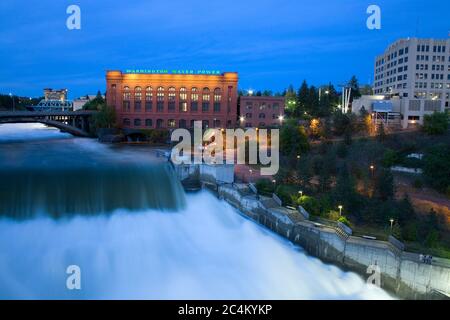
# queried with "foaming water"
point(206, 251)
point(202, 249)
point(22, 132)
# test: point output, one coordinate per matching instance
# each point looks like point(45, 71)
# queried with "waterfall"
point(61, 192)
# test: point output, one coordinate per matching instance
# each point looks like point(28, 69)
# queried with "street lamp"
point(301, 193)
point(340, 210)
point(372, 168)
point(13, 102)
point(250, 92)
point(281, 118)
point(392, 223)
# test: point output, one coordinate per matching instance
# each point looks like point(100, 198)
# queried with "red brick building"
point(159, 99)
point(261, 111)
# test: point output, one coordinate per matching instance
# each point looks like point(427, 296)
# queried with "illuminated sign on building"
point(166, 71)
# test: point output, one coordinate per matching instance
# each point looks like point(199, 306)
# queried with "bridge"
point(73, 122)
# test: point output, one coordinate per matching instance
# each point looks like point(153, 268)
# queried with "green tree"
point(436, 166)
point(105, 117)
point(293, 140)
point(436, 123)
point(384, 184)
point(95, 104)
point(302, 99)
point(353, 83)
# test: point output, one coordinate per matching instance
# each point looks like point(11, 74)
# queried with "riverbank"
point(402, 273)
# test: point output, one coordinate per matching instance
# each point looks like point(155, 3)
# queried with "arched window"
point(126, 93)
point(160, 99)
point(126, 122)
point(194, 99)
point(148, 99)
point(137, 99)
point(217, 99)
point(148, 122)
point(137, 122)
point(126, 98)
point(262, 115)
point(172, 98)
point(159, 123)
point(183, 99)
point(206, 96)
point(248, 115)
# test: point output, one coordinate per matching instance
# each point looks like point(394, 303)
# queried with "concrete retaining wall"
point(401, 272)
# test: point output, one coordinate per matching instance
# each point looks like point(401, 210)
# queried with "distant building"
point(79, 103)
point(163, 99)
point(417, 71)
point(260, 111)
point(54, 100)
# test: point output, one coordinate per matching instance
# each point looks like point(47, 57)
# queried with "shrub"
point(436, 123)
point(345, 221)
point(265, 186)
point(310, 204)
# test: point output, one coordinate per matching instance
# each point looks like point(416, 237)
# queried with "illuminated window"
point(148, 99)
point(171, 123)
point(126, 93)
point(217, 99)
point(160, 99)
point(206, 96)
point(172, 98)
point(137, 98)
point(126, 99)
point(194, 99)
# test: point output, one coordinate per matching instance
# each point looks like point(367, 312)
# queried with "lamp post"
point(340, 210)
point(392, 223)
point(301, 193)
point(13, 102)
point(281, 118)
point(372, 168)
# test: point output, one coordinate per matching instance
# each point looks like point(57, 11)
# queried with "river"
point(121, 216)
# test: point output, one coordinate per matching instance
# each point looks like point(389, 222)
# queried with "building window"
point(183, 99)
point(206, 96)
point(126, 99)
point(217, 99)
point(216, 123)
point(171, 123)
point(192, 123)
point(159, 123)
point(148, 99)
point(137, 122)
point(248, 115)
point(262, 115)
point(148, 122)
point(172, 98)
point(126, 122)
point(137, 98)
point(194, 99)
point(160, 99)
point(182, 123)
point(205, 124)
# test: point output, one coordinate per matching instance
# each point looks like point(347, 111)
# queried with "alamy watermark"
point(73, 281)
point(73, 22)
point(375, 275)
point(209, 147)
point(374, 20)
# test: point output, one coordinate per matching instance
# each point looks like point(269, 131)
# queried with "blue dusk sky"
point(271, 43)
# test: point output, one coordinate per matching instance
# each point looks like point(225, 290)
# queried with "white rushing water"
point(208, 251)
point(205, 251)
